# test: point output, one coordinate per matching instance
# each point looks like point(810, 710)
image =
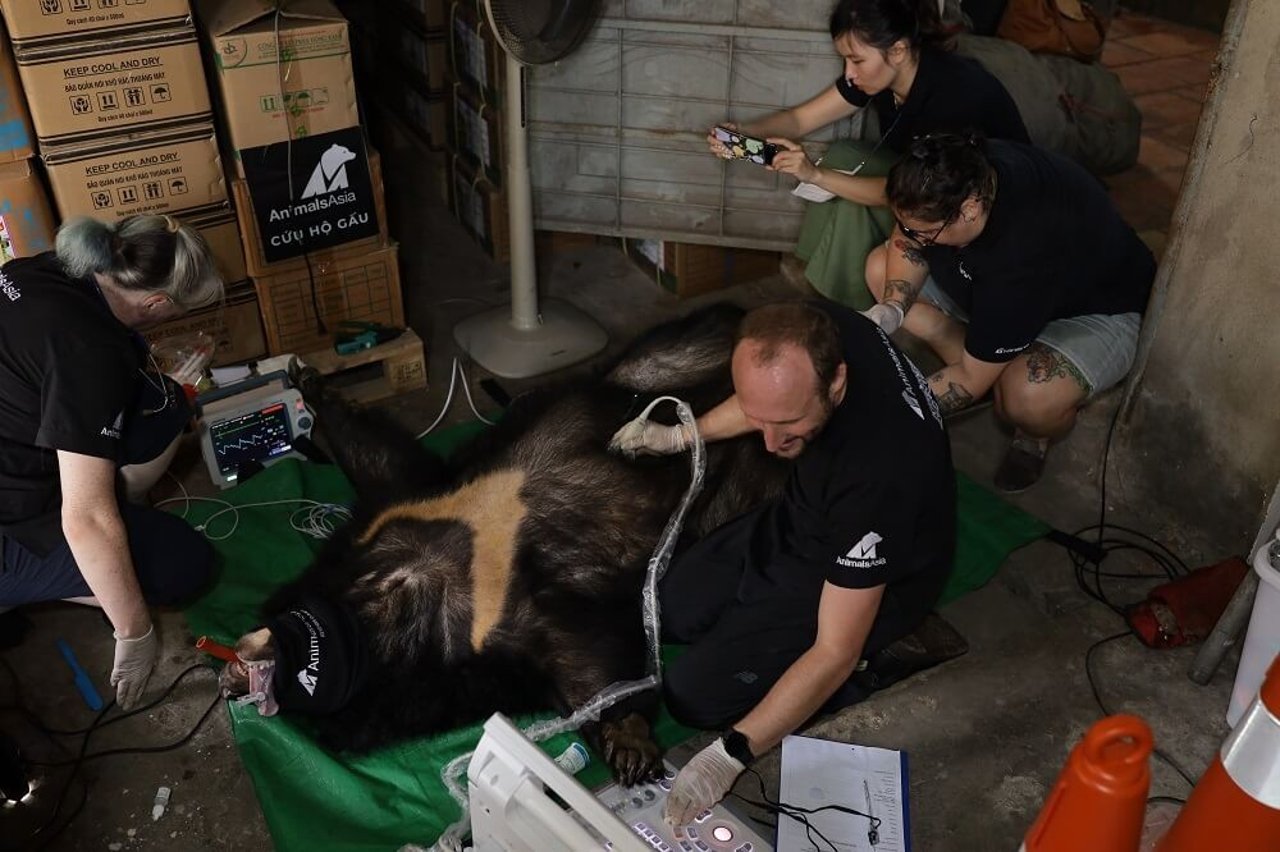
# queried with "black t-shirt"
point(949, 94)
point(872, 499)
point(68, 374)
point(1054, 246)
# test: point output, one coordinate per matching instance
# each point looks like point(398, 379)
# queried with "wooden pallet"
point(403, 362)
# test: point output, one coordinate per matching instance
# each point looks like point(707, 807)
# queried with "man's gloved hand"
point(135, 658)
point(705, 780)
point(886, 315)
point(641, 437)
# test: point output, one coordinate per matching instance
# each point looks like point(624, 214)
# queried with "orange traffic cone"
point(1099, 801)
point(1236, 805)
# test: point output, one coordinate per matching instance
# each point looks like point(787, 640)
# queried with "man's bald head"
point(788, 374)
point(798, 324)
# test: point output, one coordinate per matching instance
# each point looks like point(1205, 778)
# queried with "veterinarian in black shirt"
point(780, 605)
point(1037, 289)
point(88, 420)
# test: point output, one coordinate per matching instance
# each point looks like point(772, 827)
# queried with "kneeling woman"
point(898, 62)
point(1015, 267)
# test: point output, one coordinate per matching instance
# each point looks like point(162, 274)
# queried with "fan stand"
point(524, 341)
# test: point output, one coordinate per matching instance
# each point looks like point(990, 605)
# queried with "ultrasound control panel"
point(715, 830)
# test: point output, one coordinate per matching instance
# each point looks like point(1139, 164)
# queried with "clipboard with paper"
point(867, 786)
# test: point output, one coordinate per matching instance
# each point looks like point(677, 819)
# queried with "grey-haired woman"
point(88, 423)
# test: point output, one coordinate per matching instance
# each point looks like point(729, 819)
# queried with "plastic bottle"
point(574, 759)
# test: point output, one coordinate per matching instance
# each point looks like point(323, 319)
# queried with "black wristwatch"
point(735, 743)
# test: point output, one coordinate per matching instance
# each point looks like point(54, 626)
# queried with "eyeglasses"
point(925, 238)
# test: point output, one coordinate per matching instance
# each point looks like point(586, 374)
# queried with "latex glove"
point(642, 437)
point(135, 658)
point(886, 315)
point(704, 781)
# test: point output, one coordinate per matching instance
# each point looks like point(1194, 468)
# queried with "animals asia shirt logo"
point(863, 554)
point(311, 193)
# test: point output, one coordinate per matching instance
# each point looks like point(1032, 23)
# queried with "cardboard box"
point(424, 58)
point(26, 223)
point(427, 16)
point(425, 115)
point(477, 132)
point(140, 83)
point(219, 229)
point(349, 287)
point(474, 54)
point(33, 22)
point(234, 324)
point(270, 92)
point(688, 269)
point(147, 173)
point(16, 137)
point(254, 258)
point(481, 208)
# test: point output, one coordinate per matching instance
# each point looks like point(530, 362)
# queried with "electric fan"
point(525, 341)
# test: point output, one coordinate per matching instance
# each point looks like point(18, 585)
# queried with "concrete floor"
point(986, 734)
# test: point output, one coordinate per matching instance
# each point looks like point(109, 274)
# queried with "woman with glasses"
point(1014, 266)
point(88, 423)
point(897, 62)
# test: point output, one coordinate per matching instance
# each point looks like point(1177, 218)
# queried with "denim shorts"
point(1100, 346)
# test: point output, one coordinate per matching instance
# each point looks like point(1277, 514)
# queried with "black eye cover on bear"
point(320, 656)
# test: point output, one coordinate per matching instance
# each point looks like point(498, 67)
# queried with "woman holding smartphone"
point(898, 62)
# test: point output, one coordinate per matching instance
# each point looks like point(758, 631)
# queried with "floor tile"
point(1117, 52)
point(1162, 75)
point(1167, 44)
point(1176, 134)
point(1165, 109)
point(1125, 25)
point(1158, 155)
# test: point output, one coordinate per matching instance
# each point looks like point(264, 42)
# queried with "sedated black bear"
point(510, 580)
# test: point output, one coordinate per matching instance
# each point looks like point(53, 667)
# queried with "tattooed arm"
point(957, 386)
point(905, 272)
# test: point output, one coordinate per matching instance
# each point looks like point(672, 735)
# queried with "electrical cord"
point(1109, 538)
point(801, 815)
point(455, 372)
point(1097, 696)
point(84, 755)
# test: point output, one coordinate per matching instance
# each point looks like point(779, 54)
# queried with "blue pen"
point(83, 683)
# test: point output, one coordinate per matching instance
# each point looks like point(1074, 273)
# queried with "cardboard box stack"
point(476, 139)
point(122, 118)
point(308, 190)
point(26, 222)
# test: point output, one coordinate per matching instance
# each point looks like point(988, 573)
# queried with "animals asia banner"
point(311, 193)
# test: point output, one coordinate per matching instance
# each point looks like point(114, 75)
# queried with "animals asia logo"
point(330, 174)
point(863, 554)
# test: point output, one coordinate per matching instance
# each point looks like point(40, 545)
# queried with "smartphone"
point(744, 147)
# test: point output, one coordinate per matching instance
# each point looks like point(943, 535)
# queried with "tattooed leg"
point(1044, 364)
point(1041, 391)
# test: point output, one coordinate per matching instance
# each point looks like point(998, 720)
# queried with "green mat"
point(314, 799)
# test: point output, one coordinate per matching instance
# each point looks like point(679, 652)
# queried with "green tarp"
point(313, 799)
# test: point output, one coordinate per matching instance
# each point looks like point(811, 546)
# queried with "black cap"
point(320, 656)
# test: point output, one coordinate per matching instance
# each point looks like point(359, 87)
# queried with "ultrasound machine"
point(521, 801)
point(252, 424)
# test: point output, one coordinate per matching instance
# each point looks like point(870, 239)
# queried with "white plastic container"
point(1262, 642)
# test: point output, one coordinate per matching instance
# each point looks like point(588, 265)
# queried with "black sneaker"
point(1022, 465)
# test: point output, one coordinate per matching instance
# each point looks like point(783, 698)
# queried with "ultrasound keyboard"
point(715, 830)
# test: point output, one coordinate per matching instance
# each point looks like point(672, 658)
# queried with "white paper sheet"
point(821, 772)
